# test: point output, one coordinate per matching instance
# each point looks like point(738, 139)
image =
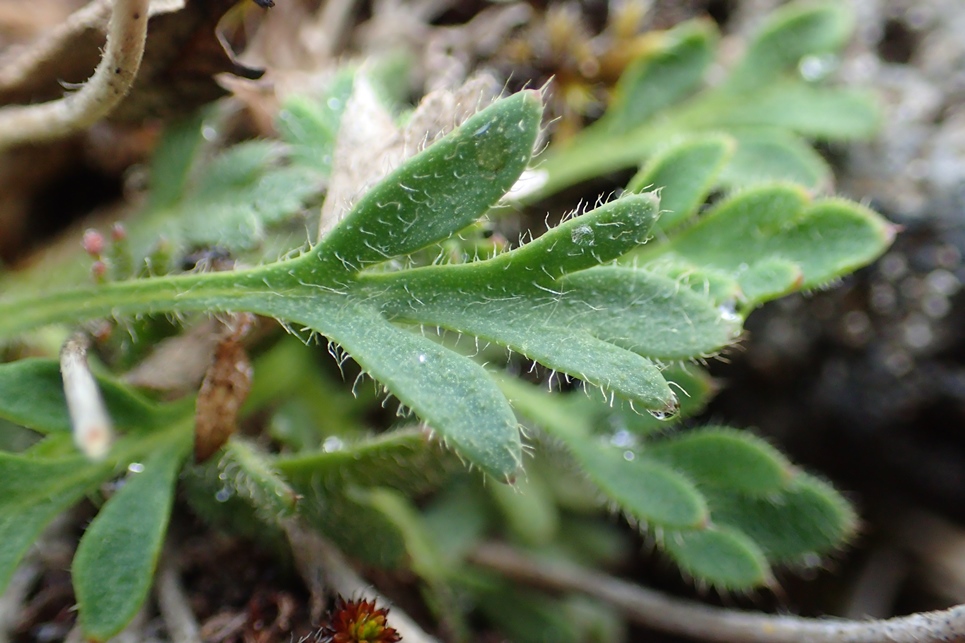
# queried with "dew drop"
point(223, 495)
point(815, 67)
point(334, 104)
point(209, 133)
point(728, 313)
point(332, 443)
point(582, 235)
point(629, 456)
point(135, 467)
point(422, 358)
point(668, 412)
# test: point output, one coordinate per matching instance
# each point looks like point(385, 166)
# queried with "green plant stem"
point(682, 617)
point(219, 291)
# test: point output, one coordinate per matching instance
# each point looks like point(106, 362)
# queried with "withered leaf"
point(223, 391)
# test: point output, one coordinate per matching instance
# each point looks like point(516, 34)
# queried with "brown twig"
point(126, 35)
point(703, 622)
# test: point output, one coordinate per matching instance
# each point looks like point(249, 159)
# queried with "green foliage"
point(766, 104)
point(115, 560)
point(621, 298)
point(725, 505)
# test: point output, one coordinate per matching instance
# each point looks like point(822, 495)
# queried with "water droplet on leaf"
point(668, 412)
point(582, 235)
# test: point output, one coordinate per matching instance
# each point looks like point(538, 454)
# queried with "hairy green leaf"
point(764, 155)
point(816, 112)
point(758, 103)
point(795, 31)
point(32, 395)
point(311, 126)
point(32, 493)
point(721, 557)
point(114, 564)
point(437, 192)
point(403, 459)
point(662, 76)
point(684, 173)
point(248, 473)
point(825, 238)
point(355, 520)
point(725, 458)
point(425, 560)
point(797, 525)
point(172, 161)
point(769, 279)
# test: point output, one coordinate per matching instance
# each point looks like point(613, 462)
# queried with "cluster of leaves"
point(587, 300)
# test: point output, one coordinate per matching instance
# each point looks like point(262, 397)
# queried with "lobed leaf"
point(824, 238)
point(769, 279)
point(594, 238)
point(451, 393)
point(648, 491)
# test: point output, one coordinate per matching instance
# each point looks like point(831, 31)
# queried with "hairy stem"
point(677, 616)
point(219, 291)
point(101, 93)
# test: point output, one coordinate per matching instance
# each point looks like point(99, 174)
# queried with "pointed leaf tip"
point(438, 192)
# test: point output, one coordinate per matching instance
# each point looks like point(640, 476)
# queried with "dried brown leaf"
point(223, 391)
